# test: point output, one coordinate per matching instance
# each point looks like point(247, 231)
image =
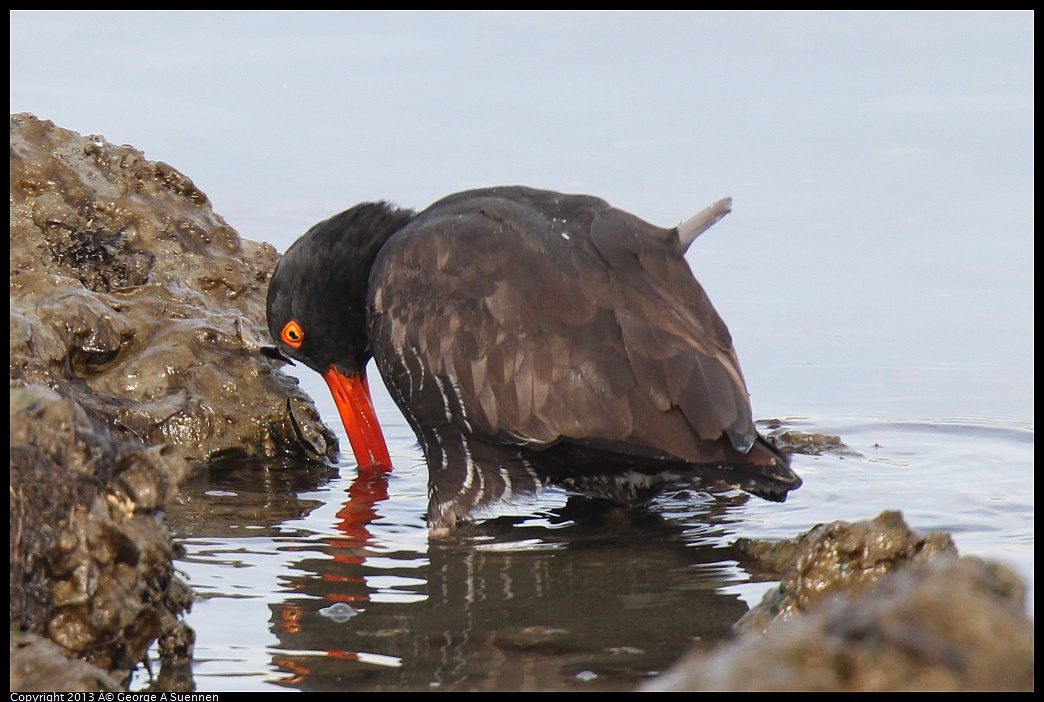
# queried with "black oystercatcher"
point(528, 337)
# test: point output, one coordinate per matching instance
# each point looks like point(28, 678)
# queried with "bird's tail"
point(766, 472)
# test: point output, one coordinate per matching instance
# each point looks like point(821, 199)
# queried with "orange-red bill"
point(352, 396)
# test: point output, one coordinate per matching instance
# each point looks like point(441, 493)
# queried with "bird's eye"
point(293, 335)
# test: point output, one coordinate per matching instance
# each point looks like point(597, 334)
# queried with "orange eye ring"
point(292, 335)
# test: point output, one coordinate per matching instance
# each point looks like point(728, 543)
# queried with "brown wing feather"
point(565, 320)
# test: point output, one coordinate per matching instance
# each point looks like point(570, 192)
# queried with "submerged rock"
point(793, 440)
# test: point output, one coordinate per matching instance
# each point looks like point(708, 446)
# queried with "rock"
point(792, 440)
point(37, 664)
point(137, 352)
point(945, 624)
point(834, 557)
point(130, 296)
point(90, 559)
point(870, 605)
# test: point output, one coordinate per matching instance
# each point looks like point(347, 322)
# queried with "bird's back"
point(537, 322)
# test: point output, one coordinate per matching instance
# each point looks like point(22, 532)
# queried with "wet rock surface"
point(872, 606)
point(137, 327)
point(130, 296)
point(794, 440)
point(39, 665)
point(91, 563)
point(831, 558)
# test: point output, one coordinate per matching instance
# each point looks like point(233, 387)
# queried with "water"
point(554, 593)
point(876, 274)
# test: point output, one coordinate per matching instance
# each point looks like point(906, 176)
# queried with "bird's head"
point(317, 313)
